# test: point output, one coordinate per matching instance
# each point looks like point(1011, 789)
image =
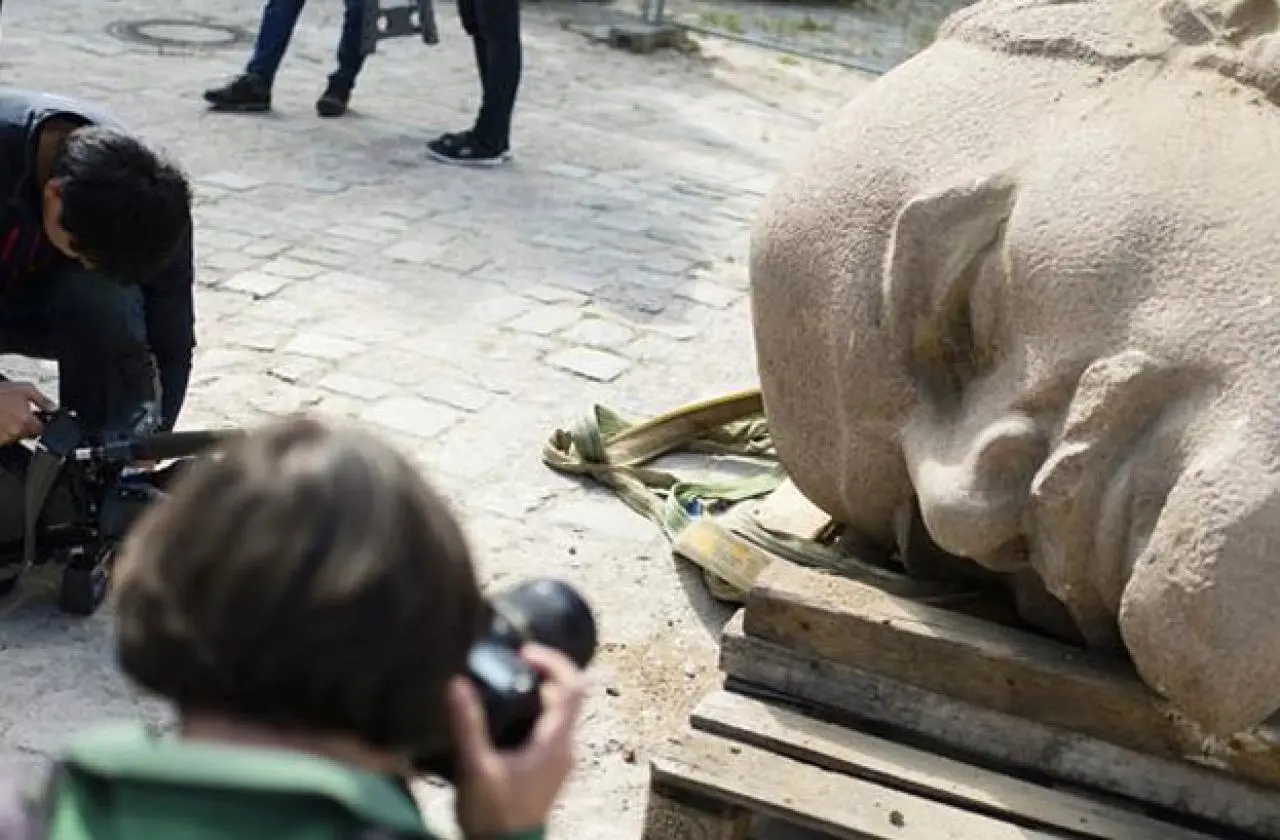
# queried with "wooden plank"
point(1000, 741)
point(842, 750)
point(829, 802)
point(672, 814)
point(991, 666)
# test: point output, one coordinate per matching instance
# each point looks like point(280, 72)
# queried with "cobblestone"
point(293, 269)
point(256, 283)
point(359, 387)
point(546, 320)
point(708, 294)
point(323, 347)
point(412, 416)
point(464, 314)
point(599, 332)
point(593, 364)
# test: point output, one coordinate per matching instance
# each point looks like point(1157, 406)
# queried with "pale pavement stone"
point(498, 309)
point(293, 269)
point(319, 256)
point(545, 320)
point(412, 251)
point(264, 248)
point(567, 170)
point(593, 364)
point(412, 416)
point(230, 181)
point(358, 387)
point(224, 261)
point(552, 294)
point(359, 233)
point(297, 370)
point(708, 294)
point(221, 239)
point(457, 394)
point(252, 333)
point(256, 283)
point(463, 257)
point(598, 332)
point(680, 332)
point(563, 242)
point(323, 347)
point(283, 398)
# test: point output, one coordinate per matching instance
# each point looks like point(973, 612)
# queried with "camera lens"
point(550, 613)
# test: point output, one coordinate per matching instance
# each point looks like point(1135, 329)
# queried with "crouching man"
point(305, 603)
point(95, 266)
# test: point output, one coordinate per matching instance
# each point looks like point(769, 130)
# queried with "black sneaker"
point(243, 94)
point(333, 102)
point(463, 150)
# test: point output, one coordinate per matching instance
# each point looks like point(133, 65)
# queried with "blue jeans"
point(279, 17)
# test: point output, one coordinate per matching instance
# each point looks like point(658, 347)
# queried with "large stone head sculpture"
point(1028, 285)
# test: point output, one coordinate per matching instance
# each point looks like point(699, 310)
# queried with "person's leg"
point(333, 102)
point(502, 61)
point(251, 91)
point(96, 330)
point(467, 14)
point(494, 27)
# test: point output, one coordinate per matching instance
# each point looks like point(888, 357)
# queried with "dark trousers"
point(279, 17)
point(494, 27)
point(96, 331)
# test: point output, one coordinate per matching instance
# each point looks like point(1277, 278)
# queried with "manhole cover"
point(185, 34)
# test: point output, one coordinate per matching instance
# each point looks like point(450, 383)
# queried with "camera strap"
point(42, 474)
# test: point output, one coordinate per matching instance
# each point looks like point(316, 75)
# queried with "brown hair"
point(307, 579)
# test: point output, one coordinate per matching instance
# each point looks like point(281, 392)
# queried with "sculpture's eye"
point(955, 348)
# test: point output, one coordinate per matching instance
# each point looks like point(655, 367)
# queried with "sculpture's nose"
point(973, 480)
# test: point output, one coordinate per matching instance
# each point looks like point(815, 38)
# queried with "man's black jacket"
point(168, 297)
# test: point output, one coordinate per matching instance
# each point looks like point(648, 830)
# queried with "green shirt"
point(124, 782)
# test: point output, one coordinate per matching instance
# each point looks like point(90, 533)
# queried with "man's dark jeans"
point(494, 27)
point(279, 17)
point(95, 330)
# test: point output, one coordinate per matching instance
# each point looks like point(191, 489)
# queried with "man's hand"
point(504, 792)
point(18, 404)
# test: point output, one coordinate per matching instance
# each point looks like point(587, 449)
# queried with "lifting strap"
point(731, 548)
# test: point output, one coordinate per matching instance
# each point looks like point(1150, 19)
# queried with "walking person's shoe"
point(463, 149)
point(333, 102)
point(244, 94)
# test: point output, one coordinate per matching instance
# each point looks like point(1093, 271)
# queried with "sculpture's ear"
point(936, 242)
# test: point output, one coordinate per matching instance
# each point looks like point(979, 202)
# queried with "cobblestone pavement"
point(464, 313)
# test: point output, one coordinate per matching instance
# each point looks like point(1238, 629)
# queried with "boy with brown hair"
point(306, 602)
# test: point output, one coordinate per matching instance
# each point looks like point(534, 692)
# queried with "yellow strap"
point(732, 550)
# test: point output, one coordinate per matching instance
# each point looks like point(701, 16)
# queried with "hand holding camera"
point(505, 791)
point(513, 713)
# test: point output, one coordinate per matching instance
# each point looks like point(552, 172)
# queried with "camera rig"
point(80, 495)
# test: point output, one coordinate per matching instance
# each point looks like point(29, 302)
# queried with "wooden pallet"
point(745, 759)
point(993, 695)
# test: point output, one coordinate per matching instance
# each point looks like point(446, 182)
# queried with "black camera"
point(548, 612)
point(72, 497)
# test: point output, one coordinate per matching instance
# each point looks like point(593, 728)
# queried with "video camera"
point(549, 612)
point(80, 495)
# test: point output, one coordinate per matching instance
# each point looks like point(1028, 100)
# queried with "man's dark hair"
point(126, 207)
point(308, 580)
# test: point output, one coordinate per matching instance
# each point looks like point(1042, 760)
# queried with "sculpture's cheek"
point(1199, 613)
